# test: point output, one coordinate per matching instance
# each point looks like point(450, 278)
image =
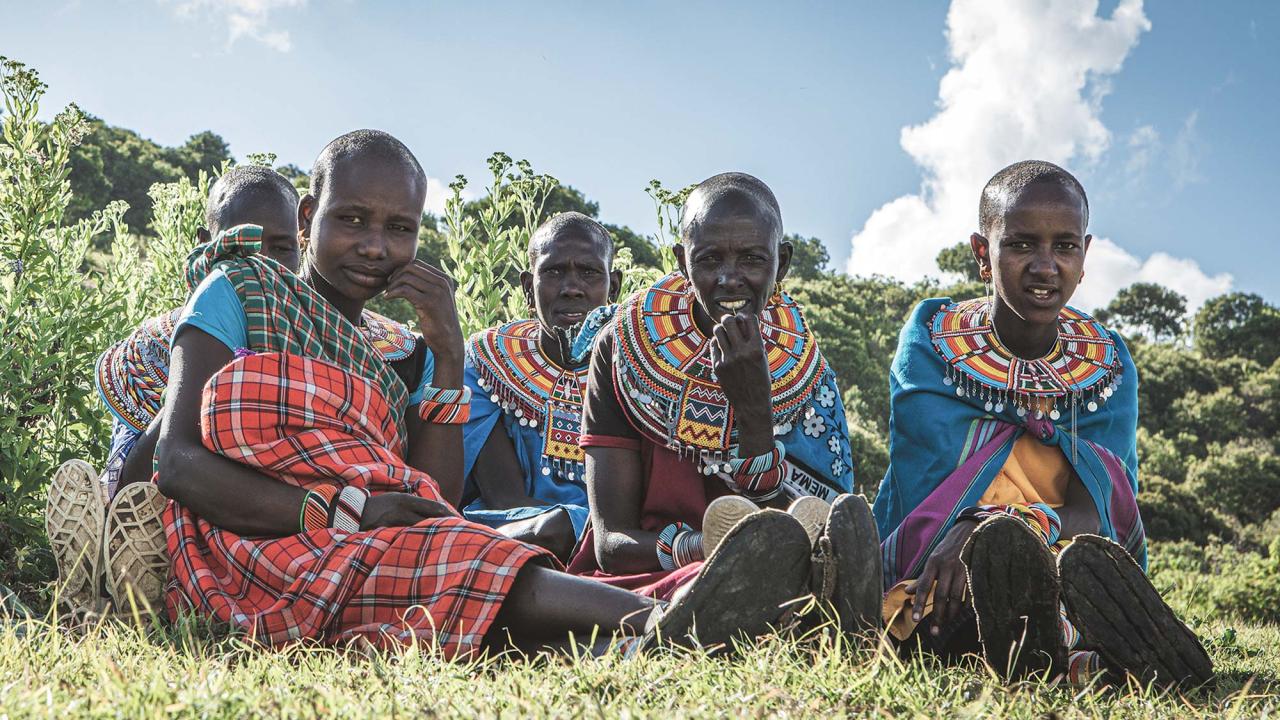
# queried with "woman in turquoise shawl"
point(1010, 498)
point(521, 459)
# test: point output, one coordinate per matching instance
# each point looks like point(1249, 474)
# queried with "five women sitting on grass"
point(685, 451)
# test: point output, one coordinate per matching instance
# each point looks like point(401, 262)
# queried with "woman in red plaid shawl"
point(313, 501)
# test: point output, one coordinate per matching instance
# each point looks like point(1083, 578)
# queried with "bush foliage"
point(74, 278)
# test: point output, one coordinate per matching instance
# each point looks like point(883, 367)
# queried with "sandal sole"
point(721, 515)
point(74, 519)
point(855, 545)
point(740, 591)
point(1015, 591)
point(1122, 616)
point(812, 512)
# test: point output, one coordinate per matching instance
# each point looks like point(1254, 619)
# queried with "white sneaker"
point(73, 518)
point(722, 514)
point(137, 558)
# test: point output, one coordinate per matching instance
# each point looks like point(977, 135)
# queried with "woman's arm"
point(227, 493)
point(436, 450)
point(615, 492)
point(498, 475)
point(137, 466)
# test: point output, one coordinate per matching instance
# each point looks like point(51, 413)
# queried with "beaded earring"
point(985, 274)
point(776, 297)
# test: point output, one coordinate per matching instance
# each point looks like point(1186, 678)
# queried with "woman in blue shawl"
point(523, 465)
point(1013, 435)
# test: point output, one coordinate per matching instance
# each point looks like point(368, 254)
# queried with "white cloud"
point(1110, 267)
point(1144, 143)
point(1184, 154)
point(1027, 81)
point(243, 18)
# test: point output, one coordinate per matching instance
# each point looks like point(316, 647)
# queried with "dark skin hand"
point(944, 567)
point(431, 294)
point(737, 354)
point(215, 487)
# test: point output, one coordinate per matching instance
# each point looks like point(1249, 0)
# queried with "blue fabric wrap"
point(932, 431)
point(820, 443)
point(554, 488)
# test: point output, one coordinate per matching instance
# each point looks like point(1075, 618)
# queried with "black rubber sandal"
point(1122, 616)
point(759, 566)
point(1015, 592)
point(847, 566)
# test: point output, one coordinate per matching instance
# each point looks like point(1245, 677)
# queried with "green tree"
point(958, 260)
point(1166, 373)
point(809, 257)
point(130, 165)
point(296, 175)
point(202, 152)
point(1149, 308)
point(1215, 417)
point(113, 163)
point(1241, 324)
point(857, 321)
point(1240, 479)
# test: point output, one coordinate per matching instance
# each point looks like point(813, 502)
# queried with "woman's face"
point(733, 263)
point(364, 226)
point(1036, 255)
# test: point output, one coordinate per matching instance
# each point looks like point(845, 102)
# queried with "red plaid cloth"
point(308, 422)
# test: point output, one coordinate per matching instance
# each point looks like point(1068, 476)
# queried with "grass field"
point(118, 669)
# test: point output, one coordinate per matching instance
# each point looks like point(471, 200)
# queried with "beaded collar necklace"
point(512, 367)
point(664, 379)
point(1081, 370)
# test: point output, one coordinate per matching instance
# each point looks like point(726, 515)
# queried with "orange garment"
point(1034, 472)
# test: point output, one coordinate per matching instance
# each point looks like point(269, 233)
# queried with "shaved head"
point(731, 193)
point(366, 144)
point(239, 184)
point(565, 224)
point(1003, 189)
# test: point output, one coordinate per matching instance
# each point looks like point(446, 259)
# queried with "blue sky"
point(1171, 128)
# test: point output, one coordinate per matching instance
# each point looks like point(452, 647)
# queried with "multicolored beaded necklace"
point(664, 378)
point(1083, 366)
point(535, 391)
point(1081, 371)
point(393, 340)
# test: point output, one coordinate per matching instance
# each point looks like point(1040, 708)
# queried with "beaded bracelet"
point(316, 507)
point(760, 477)
point(1041, 518)
point(445, 406)
point(678, 545)
point(347, 509)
